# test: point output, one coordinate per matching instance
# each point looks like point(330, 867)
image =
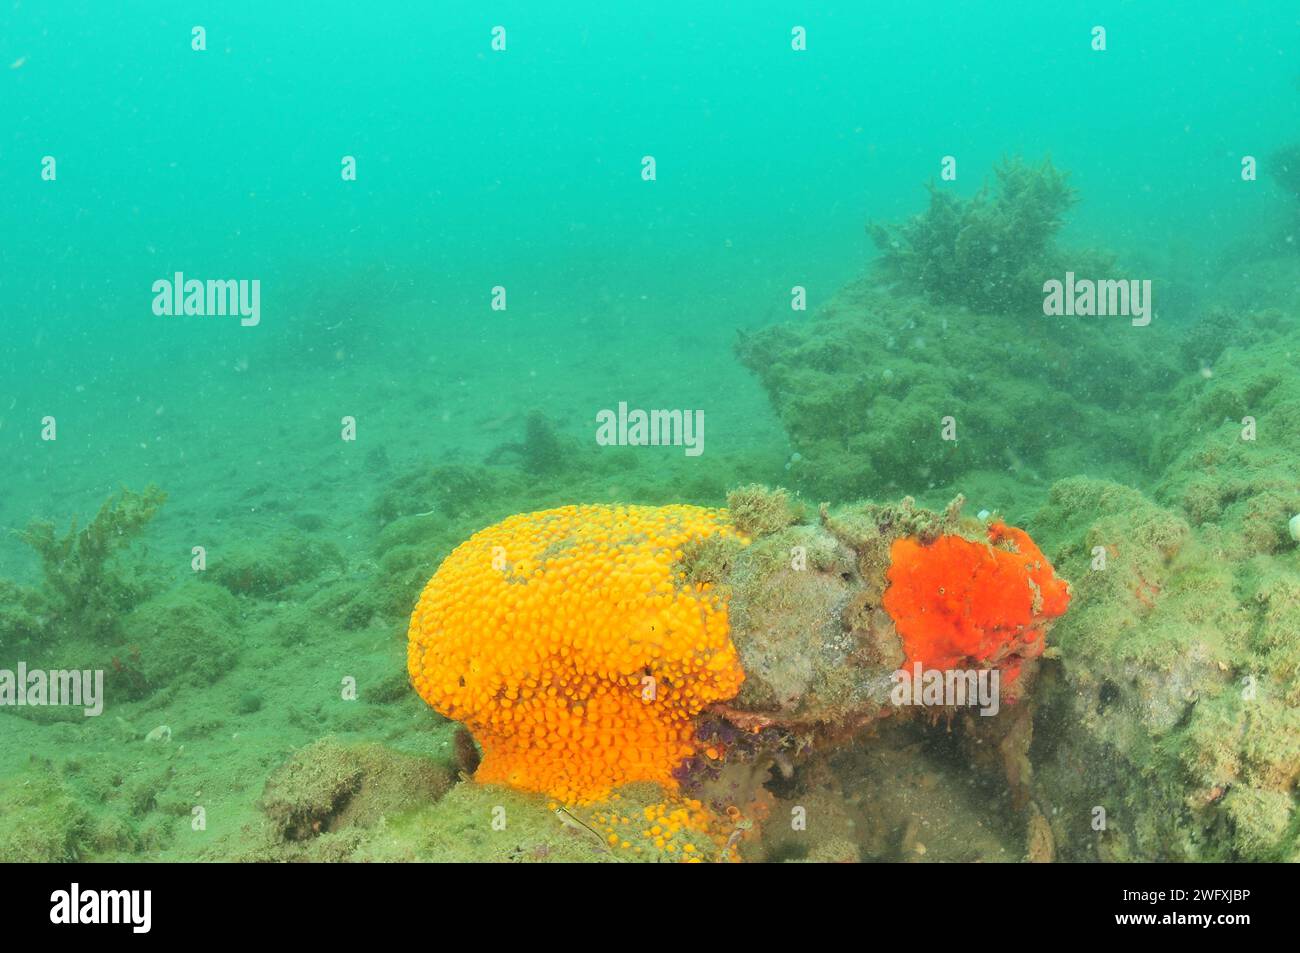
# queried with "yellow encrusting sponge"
point(573, 646)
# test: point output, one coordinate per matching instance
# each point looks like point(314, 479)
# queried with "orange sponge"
point(571, 644)
point(963, 604)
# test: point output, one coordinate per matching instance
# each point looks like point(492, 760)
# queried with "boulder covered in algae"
point(820, 650)
point(804, 602)
point(1171, 723)
point(330, 786)
point(883, 395)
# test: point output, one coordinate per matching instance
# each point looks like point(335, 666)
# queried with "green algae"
point(989, 252)
point(181, 639)
point(758, 510)
point(269, 566)
point(543, 452)
point(83, 587)
point(40, 821)
point(22, 617)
